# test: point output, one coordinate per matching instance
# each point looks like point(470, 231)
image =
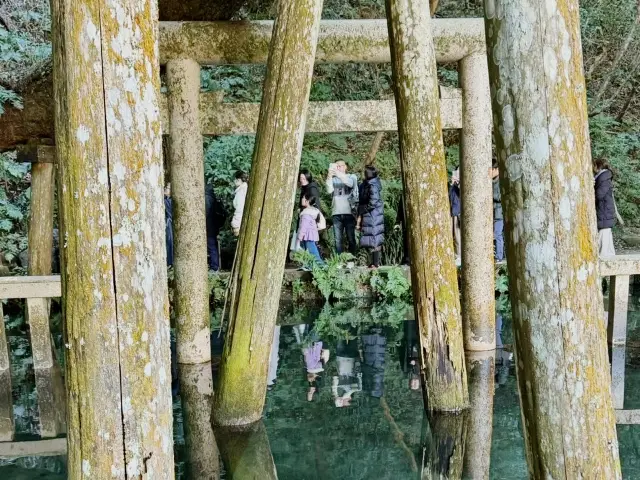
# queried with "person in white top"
point(238, 201)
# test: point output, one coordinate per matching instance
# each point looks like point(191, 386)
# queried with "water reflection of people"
point(374, 346)
point(273, 358)
point(409, 354)
point(315, 358)
point(503, 357)
point(349, 378)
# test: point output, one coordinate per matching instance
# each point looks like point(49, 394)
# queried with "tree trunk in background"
point(373, 150)
point(542, 137)
point(114, 279)
point(433, 272)
point(256, 277)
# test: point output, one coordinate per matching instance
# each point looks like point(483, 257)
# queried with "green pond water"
point(379, 431)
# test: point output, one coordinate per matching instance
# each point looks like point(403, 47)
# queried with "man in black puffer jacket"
point(605, 207)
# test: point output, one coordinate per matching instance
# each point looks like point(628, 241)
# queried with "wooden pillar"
point(433, 272)
point(476, 190)
point(618, 310)
point(256, 277)
point(7, 427)
point(114, 281)
point(49, 382)
point(477, 452)
point(191, 293)
point(246, 452)
point(542, 138)
point(196, 396)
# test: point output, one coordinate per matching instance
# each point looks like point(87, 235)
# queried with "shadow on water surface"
point(344, 401)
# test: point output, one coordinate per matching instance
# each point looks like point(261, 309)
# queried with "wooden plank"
point(618, 307)
point(36, 153)
point(48, 286)
point(218, 118)
point(36, 448)
point(628, 417)
point(617, 375)
point(7, 427)
point(620, 265)
point(51, 401)
point(339, 41)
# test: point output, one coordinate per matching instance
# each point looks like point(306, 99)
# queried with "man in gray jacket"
point(341, 186)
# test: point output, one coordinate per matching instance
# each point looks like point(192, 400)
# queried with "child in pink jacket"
point(308, 229)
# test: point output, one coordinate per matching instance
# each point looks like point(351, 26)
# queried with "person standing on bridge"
point(605, 207)
point(343, 188)
point(239, 198)
point(371, 215)
point(455, 205)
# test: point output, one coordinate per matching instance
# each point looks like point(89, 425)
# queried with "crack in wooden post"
point(256, 277)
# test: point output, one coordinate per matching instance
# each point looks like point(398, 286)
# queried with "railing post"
point(49, 383)
point(618, 309)
point(7, 428)
point(478, 275)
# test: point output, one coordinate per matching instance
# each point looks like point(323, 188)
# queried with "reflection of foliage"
point(344, 321)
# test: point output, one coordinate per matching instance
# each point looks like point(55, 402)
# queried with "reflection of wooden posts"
point(443, 451)
point(617, 334)
point(477, 453)
point(114, 280)
point(542, 140)
point(256, 277)
point(246, 452)
point(433, 272)
point(478, 297)
point(6, 399)
point(196, 395)
point(49, 383)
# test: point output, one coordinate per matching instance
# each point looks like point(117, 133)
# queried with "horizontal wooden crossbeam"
point(323, 117)
point(620, 265)
point(37, 448)
point(340, 41)
point(30, 287)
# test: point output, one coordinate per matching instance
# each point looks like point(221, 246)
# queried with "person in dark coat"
point(455, 205)
point(374, 346)
point(605, 207)
point(401, 223)
point(215, 216)
point(168, 220)
point(498, 218)
point(371, 215)
point(308, 187)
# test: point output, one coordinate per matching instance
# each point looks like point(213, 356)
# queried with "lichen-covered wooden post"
point(196, 396)
point(256, 278)
point(49, 383)
point(7, 429)
point(542, 138)
point(477, 452)
point(191, 292)
point(433, 271)
point(478, 297)
point(108, 139)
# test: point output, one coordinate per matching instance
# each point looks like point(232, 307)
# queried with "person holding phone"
point(343, 188)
